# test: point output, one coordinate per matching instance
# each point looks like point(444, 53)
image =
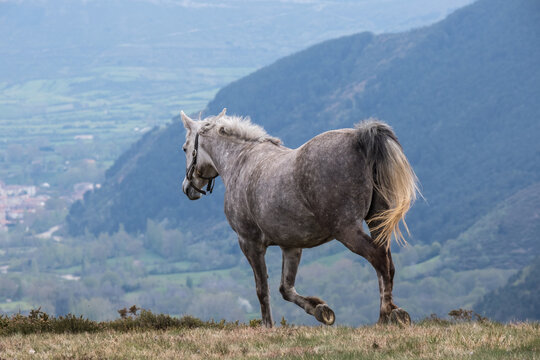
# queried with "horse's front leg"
point(312, 305)
point(254, 253)
point(380, 258)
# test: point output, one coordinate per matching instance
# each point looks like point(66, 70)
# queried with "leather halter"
point(193, 167)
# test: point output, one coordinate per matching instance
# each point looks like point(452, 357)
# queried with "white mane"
point(241, 128)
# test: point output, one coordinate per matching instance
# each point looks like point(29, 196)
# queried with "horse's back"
point(257, 202)
point(299, 198)
point(276, 204)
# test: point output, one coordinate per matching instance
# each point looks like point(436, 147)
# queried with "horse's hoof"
point(324, 314)
point(400, 317)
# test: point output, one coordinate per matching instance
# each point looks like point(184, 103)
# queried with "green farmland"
point(46, 122)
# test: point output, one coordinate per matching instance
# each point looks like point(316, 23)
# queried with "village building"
point(16, 200)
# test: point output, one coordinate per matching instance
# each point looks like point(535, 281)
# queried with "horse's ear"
point(222, 130)
point(222, 113)
point(188, 122)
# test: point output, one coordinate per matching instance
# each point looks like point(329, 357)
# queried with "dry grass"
point(425, 341)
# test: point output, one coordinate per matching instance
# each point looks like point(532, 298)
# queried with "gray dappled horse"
point(305, 197)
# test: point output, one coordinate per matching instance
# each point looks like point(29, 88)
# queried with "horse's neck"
point(224, 154)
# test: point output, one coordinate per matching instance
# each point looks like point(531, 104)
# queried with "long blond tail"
point(393, 179)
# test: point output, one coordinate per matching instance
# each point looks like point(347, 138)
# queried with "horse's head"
point(200, 169)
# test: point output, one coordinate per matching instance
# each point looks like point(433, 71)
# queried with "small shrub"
point(456, 316)
point(38, 321)
point(255, 323)
point(133, 310)
point(123, 313)
point(191, 322)
point(132, 319)
point(466, 316)
point(73, 324)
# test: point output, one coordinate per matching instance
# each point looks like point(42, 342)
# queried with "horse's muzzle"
point(191, 193)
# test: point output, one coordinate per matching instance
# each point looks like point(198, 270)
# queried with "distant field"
point(425, 341)
point(105, 101)
point(114, 104)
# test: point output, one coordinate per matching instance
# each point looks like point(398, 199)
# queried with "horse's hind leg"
point(356, 240)
point(312, 305)
point(254, 253)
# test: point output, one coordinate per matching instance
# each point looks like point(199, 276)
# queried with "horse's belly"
point(288, 241)
point(306, 242)
point(295, 234)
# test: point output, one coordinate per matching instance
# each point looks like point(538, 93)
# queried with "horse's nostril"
point(191, 193)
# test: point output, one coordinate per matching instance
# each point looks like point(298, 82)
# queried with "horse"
point(305, 197)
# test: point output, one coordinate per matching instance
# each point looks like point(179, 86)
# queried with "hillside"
point(517, 300)
point(149, 166)
point(461, 95)
point(506, 237)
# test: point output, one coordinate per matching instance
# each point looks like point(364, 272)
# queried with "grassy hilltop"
point(142, 334)
point(424, 341)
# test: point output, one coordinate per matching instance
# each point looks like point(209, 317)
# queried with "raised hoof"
point(400, 317)
point(324, 314)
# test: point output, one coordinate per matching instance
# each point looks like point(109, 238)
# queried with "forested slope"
point(517, 300)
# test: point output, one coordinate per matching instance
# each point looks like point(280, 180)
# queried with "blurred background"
point(92, 216)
